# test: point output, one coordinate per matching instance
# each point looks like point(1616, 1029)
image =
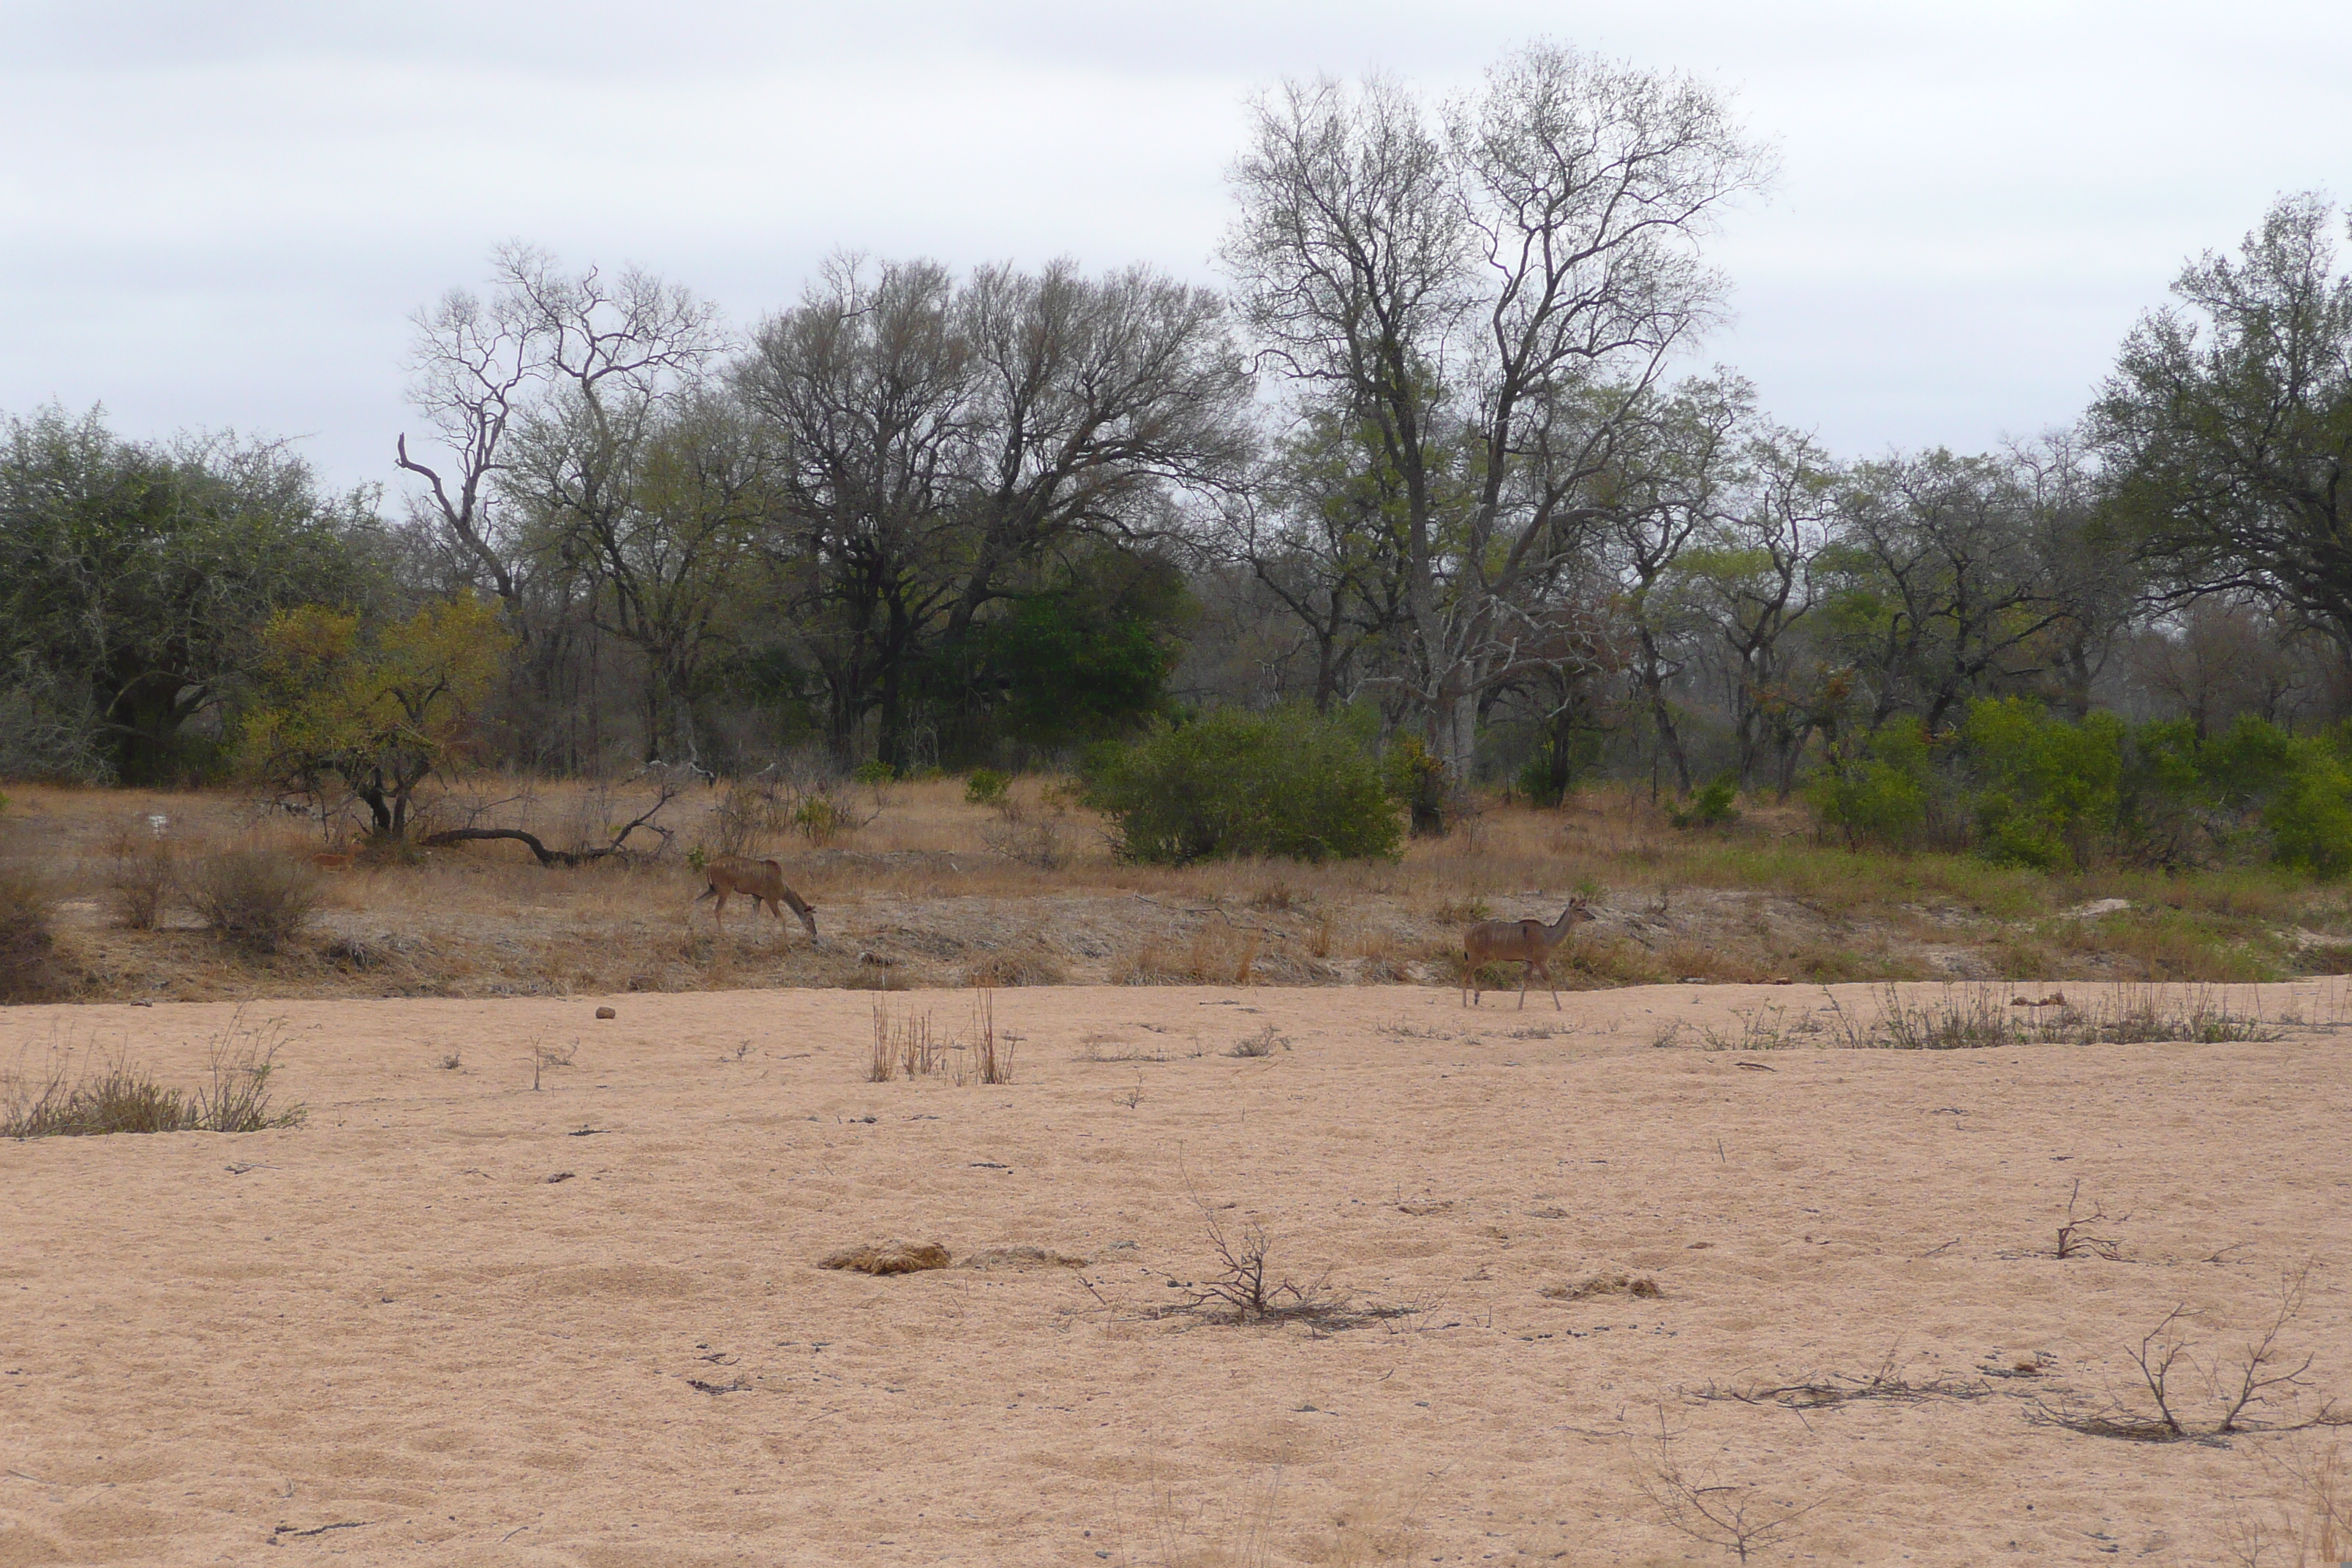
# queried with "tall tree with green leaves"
point(2227, 426)
point(373, 711)
point(136, 579)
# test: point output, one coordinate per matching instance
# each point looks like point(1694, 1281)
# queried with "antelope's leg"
point(719, 910)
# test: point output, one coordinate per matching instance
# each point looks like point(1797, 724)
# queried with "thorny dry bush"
point(1033, 832)
point(142, 873)
point(2259, 1388)
point(1742, 1518)
point(803, 792)
point(256, 901)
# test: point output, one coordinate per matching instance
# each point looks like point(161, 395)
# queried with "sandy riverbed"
point(393, 1335)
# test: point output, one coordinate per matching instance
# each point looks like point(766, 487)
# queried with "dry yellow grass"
point(922, 895)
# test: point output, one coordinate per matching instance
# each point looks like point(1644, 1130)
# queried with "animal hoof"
point(606, 1012)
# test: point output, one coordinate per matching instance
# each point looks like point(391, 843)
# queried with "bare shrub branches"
point(2075, 1237)
point(2264, 1373)
point(1886, 1383)
point(1741, 1518)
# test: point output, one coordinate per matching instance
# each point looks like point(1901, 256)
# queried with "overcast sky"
point(223, 214)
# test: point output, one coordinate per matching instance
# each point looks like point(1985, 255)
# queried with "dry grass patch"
point(76, 1094)
point(1640, 1287)
point(28, 968)
point(887, 1257)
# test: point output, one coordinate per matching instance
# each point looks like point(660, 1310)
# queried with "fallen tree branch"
point(547, 857)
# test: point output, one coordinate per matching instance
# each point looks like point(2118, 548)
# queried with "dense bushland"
point(2023, 786)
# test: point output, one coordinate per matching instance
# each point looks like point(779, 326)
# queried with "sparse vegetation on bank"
point(917, 896)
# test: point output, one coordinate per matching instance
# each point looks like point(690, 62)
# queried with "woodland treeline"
point(1432, 461)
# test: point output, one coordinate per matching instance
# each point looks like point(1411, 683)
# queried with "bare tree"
point(481, 367)
point(1493, 290)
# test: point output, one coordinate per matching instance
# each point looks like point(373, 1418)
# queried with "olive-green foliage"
point(1286, 782)
point(1879, 791)
point(2047, 793)
point(985, 787)
point(135, 581)
point(875, 772)
point(1710, 805)
point(379, 707)
point(2027, 788)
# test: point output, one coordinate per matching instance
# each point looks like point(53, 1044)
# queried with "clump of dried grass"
point(75, 1096)
point(27, 942)
point(887, 1257)
point(1643, 1287)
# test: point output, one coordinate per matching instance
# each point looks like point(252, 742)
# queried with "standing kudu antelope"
point(1529, 943)
point(761, 881)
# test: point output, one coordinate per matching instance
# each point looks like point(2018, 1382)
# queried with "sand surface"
point(393, 1335)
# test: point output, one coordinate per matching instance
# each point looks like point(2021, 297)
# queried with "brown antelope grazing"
point(761, 881)
point(1530, 943)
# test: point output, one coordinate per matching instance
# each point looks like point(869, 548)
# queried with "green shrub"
point(2048, 791)
point(255, 900)
point(2310, 815)
point(1880, 791)
point(1710, 805)
point(877, 772)
point(985, 787)
point(1539, 782)
point(1415, 779)
point(2034, 790)
point(1286, 782)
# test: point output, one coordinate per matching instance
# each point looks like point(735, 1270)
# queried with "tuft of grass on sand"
point(78, 1094)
